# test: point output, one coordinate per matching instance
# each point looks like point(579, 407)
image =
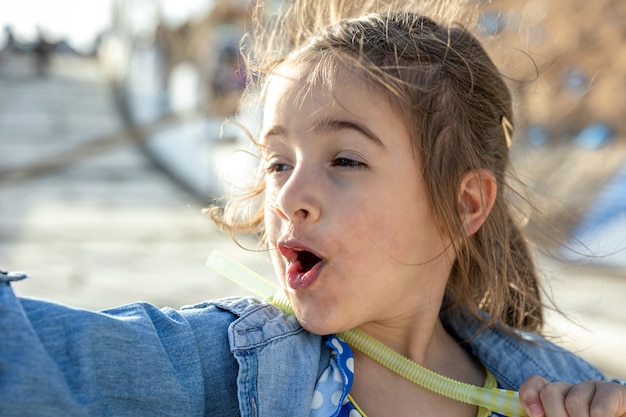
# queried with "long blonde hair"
point(459, 112)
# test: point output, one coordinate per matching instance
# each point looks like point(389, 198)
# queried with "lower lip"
point(301, 281)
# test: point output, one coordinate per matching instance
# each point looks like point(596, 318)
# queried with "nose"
point(298, 200)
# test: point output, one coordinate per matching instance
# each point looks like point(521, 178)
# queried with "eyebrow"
point(334, 125)
point(329, 126)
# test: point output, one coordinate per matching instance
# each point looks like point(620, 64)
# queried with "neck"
point(417, 339)
point(381, 391)
point(425, 341)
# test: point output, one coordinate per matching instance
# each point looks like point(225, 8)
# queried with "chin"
point(319, 327)
point(318, 316)
point(316, 329)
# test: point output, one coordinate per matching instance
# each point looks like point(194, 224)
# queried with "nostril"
point(296, 202)
point(280, 213)
point(302, 213)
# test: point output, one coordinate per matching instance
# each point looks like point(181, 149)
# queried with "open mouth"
point(307, 261)
point(304, 266)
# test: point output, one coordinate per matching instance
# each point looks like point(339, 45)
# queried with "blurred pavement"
point(111, 229)
point(108, 229)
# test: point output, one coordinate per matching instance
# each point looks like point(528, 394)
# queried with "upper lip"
point(289, 248)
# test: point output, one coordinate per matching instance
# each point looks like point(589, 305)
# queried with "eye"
point(344, 162)
point(276, 167)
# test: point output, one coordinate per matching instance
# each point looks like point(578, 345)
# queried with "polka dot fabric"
point(330, 398)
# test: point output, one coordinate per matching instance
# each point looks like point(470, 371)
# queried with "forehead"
point(300, 106)
point(307, 89)
point(298, 82)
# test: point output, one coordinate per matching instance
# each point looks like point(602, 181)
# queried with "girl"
point(384, 147)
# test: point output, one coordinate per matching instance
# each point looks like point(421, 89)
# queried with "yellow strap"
point(490, 382)
point(356, 406)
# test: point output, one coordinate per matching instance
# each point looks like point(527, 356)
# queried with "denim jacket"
point(231, 357)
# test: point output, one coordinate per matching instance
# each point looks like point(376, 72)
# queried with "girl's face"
point(350, 229)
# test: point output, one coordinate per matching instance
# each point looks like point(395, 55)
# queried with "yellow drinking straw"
point(493, 399)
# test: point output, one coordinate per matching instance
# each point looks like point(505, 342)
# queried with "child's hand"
point(586, 399)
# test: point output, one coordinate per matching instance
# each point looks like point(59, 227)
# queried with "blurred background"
point(112, 141)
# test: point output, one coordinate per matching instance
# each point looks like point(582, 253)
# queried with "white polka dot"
point(325, 375)
point(336, 397)
point(350, 364)
point(317, 400)
point(337, 375)
point(338, 346)
point(354, 413)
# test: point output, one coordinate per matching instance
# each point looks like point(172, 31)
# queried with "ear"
point(477, 195)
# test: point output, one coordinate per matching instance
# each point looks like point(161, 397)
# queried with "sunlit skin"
point(343, 183)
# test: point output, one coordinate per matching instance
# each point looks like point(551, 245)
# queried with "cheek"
point(271, 224)
point(370, 226)
point(272, 231)
point(269, 198)
point(402, 226)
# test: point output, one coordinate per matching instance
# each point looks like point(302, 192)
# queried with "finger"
point(552, 398)
point(529, 395)
point(609, 400)
point(578, 399)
